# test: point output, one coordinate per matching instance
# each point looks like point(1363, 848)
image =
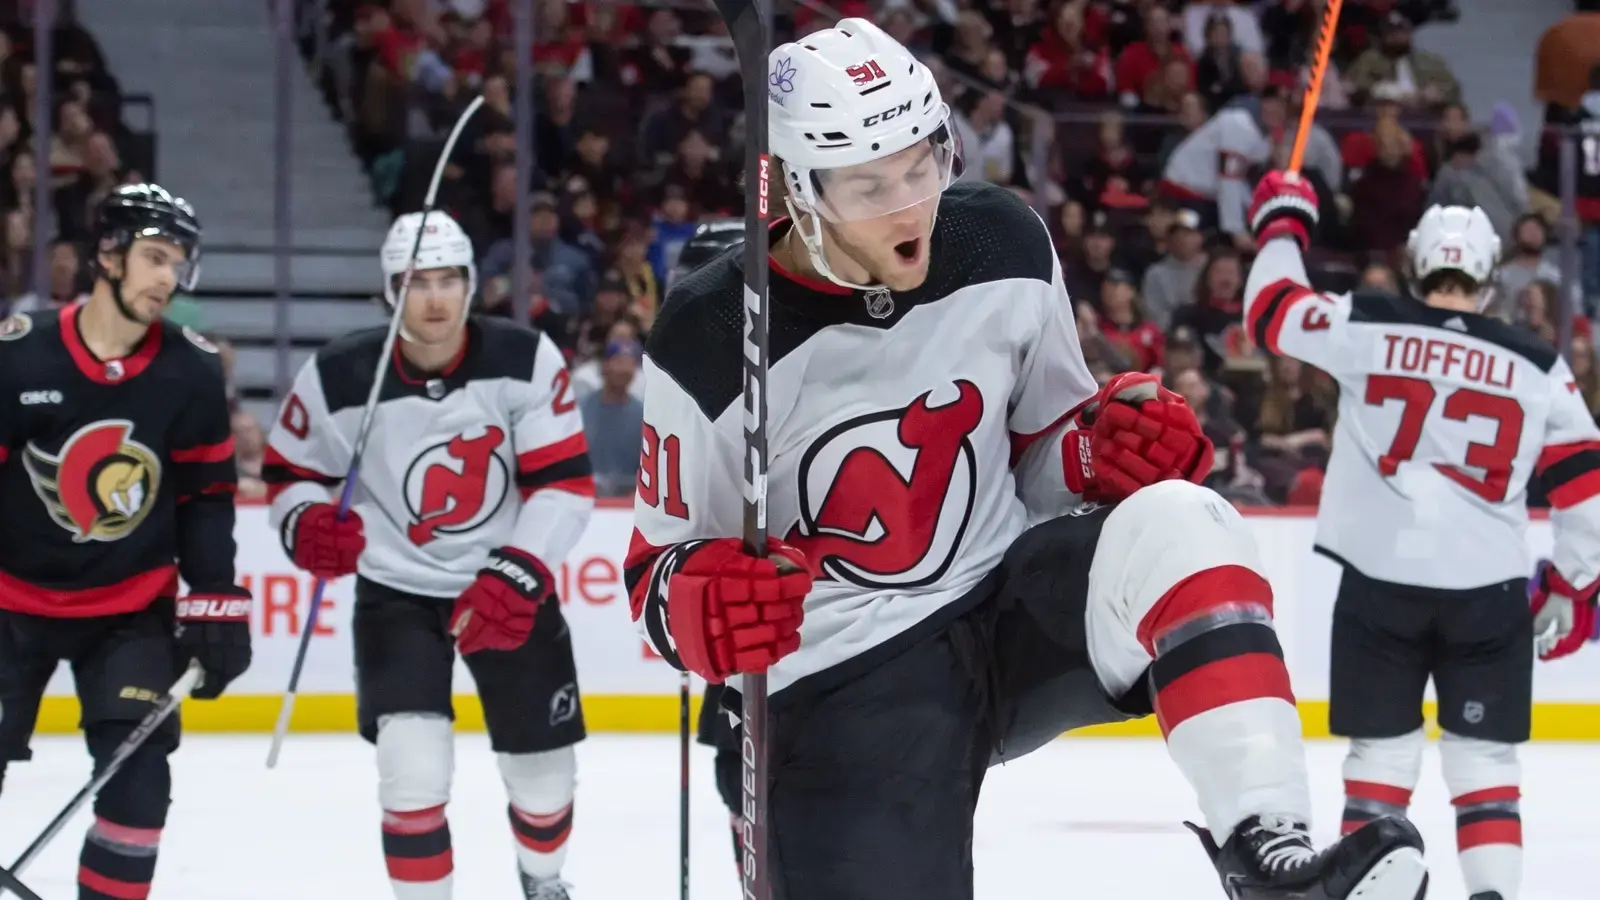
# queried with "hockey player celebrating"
point(929, 403)
point(1444, 414)
point(116, 462)
point(476, 487)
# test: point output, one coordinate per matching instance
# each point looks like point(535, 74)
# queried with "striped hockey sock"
point(1223, 700)
point(1489, 840)
point(118, 862)
point(541, 840)
point(1368, 800)
point(416, 849)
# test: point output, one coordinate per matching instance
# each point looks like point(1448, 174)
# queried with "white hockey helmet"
point(1455, 238)
point(443, 246)
point(845, 97)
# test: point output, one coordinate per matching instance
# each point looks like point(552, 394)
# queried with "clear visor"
point(913, 176)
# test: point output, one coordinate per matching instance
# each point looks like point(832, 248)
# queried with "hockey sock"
point(416, 849)
point(1483, 777)
point(1379, 775)
point(118, 862)
point(1223, 700)
point(541, 840)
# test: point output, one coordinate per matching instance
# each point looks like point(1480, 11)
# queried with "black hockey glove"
point(214, 630)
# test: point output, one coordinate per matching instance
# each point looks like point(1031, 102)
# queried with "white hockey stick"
point(347, 495)
point(164, 707)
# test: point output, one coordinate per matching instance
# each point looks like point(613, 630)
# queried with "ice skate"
point(1268, 857)
point(544, 888)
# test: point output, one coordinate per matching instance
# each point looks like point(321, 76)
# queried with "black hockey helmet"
point(147, 210)
point(708, 241)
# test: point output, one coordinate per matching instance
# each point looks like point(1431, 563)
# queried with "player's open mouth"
point(908, 251)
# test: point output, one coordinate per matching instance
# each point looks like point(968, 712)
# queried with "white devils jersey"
point(906, 452)
point(489, 453)
point(1443, 417)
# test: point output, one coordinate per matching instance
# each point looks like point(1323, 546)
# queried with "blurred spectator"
point(77, 200)
point(1419, 78)
point(644, 282)
point(1536, 309)
point(68, 281)
point(1488, 178)
point(1244, 29)
point(1528, 258)
point(1183, 351)
point(971, 45)
point(1585, 365)
point(1386, 193)
point(613, 418)
point(1217, 71)
point(671, 227)
point(1063, 63)
point(1360, 148)
point(1453, 125)
point(611, 302)
point(1169, 283)
point(1380, 276)
point(1142, 60)
point(16, 266)
point(1191, 114)
point(1294, 424)
point(1086, 270)
point(1230, 472)
point(1218, 309)
point(250, 446)
point(1115, 176)
point(1124, 325)
point(987, 142)
point(566, 274)
point(662, 132)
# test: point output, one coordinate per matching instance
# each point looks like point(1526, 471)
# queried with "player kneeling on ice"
point(116, 465)
point(974, 549)
point(475, 487)
point(1444, 415)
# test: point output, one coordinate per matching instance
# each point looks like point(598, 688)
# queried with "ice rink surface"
point(1085, 818)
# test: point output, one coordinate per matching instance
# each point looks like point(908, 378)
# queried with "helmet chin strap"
point(116, 295)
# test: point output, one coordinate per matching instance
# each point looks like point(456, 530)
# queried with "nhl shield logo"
point(16, 326)
point(100, 485)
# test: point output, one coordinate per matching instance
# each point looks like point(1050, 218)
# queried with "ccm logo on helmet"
point(886, 115)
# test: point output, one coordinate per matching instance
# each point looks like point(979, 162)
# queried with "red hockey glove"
point(214, 630)
point(731, 612)
point(1284, 204)
point(1132, 434)
point(320, 542)
point(1563, 616)
point(497, 609)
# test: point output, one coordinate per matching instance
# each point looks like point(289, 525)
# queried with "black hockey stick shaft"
point(10, 883)
point(280, 730)
point(165, 706)
point(683, 786)
point(750, 25)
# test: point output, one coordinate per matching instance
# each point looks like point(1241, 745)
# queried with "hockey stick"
point(1313, 94)
point(683, 786)
point(164, 707)
point(9, 882)
point(750, 24)
point(347, 495)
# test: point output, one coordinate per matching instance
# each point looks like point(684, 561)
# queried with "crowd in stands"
point(1098, 112)
point(1135, 127)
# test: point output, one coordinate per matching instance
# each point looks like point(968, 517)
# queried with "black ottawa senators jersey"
point(116, 475)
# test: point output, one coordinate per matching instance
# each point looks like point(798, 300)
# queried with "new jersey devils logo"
point(100, 485)
point(455, 486)
point(885, 498)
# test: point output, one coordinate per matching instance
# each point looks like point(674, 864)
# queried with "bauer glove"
point(497, 610)
point(1563, 616)
point(1284, 205)
point(1134, 433)
point(320, 542)
point(731, 612)
point(213, 629)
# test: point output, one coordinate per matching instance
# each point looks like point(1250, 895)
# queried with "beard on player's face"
point(891, 250)
point(146, 285)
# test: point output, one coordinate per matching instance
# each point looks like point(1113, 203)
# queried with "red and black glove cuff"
point(521, 572)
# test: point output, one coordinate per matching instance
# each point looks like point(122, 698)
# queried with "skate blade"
point(1400, 875)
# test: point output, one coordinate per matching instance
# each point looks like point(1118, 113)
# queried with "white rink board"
point(612, 660)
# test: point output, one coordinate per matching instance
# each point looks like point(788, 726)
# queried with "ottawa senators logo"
point(885, 498)
point(101, 484)
point(455, 486)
